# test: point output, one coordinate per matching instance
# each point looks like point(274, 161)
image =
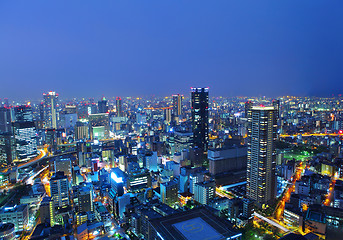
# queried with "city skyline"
point(234, 48)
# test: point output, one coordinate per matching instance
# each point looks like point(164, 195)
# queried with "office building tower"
point(23, 113)
point(199, 98)
point(119, 107)
point(139, 179)
point(81, 130)
point(85, 199)
point(151, 161)
point(169, 192)
point(59, 189)
point(248, 208)
point(117, 181)
point(122, 202)
point(167, 115)
point(247, 107)
point(7, 149)
point(194, 178)
point(68, 117)
point(183, 140)
point(63, 165)
point(50, 109)
point(196, 156)
point(102, 106)
point(204, 191)
point(227, 159)
point(276, 105)
point(47, 211)
point(177, 106)
point(5, 119)
point(261, 179)
point(17, 214)
point(25, 132)
point(100, 124)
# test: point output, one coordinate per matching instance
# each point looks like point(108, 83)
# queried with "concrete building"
point(222, 160)
point(204, 191)
point(169, 192)
point(59, 188)
point(18, 215)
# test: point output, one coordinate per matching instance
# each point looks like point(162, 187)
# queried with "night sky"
point(142, 48)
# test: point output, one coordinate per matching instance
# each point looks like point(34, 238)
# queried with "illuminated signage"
point(115, 178)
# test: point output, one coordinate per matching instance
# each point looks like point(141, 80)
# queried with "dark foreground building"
point(199, 223)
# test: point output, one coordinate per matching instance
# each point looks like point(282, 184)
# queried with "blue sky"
point(141, 48)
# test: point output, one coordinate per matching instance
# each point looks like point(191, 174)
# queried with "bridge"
point(312, 135)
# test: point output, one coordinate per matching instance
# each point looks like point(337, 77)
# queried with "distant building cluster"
point(178, 167)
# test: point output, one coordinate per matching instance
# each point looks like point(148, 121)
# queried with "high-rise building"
point(100, 124)
point(68, 117)
point(117, 181)
point(7, 149)
point(167, 114)
point(119, 107)
point(261, 178)
point(247, 107)
point(25, 132)
point(227, 159)
point(81, 130)
point(59, 189)
point(63, 165)
point(102, 106)
point(169, 192)
point(50, 109)
point(23, 113)
point(204, 191)
point(5, 119)
point(85, 199)
point(18, 215)
point(199, 98)
point(177, 105)
point(47, 211)
point(276, 105)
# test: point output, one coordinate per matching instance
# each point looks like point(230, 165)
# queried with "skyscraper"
point(199, 98)
point(85, 199)
point(177, 105)
point(59, 188)
point(102, 106)
point(25, 132)
point(247, 107)
point(119, 107)
point(261, 179)
point(169, 192)
point(50, 109)
point(23, 113)
point(204, 191)
point(276, 105)
point(5, 119)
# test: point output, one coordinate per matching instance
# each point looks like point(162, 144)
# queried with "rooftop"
point(197, 223)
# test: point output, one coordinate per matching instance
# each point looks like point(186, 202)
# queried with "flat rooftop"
point(197, 223)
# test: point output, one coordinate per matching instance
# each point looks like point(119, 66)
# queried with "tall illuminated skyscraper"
point(102, 105)
point(5, 119)
point(25, 132)
point(177, 105)
point(119, 107)
point(261, 179)
point(59, 189)
point(50, 109)
point(199, 101)
point(247, 107)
